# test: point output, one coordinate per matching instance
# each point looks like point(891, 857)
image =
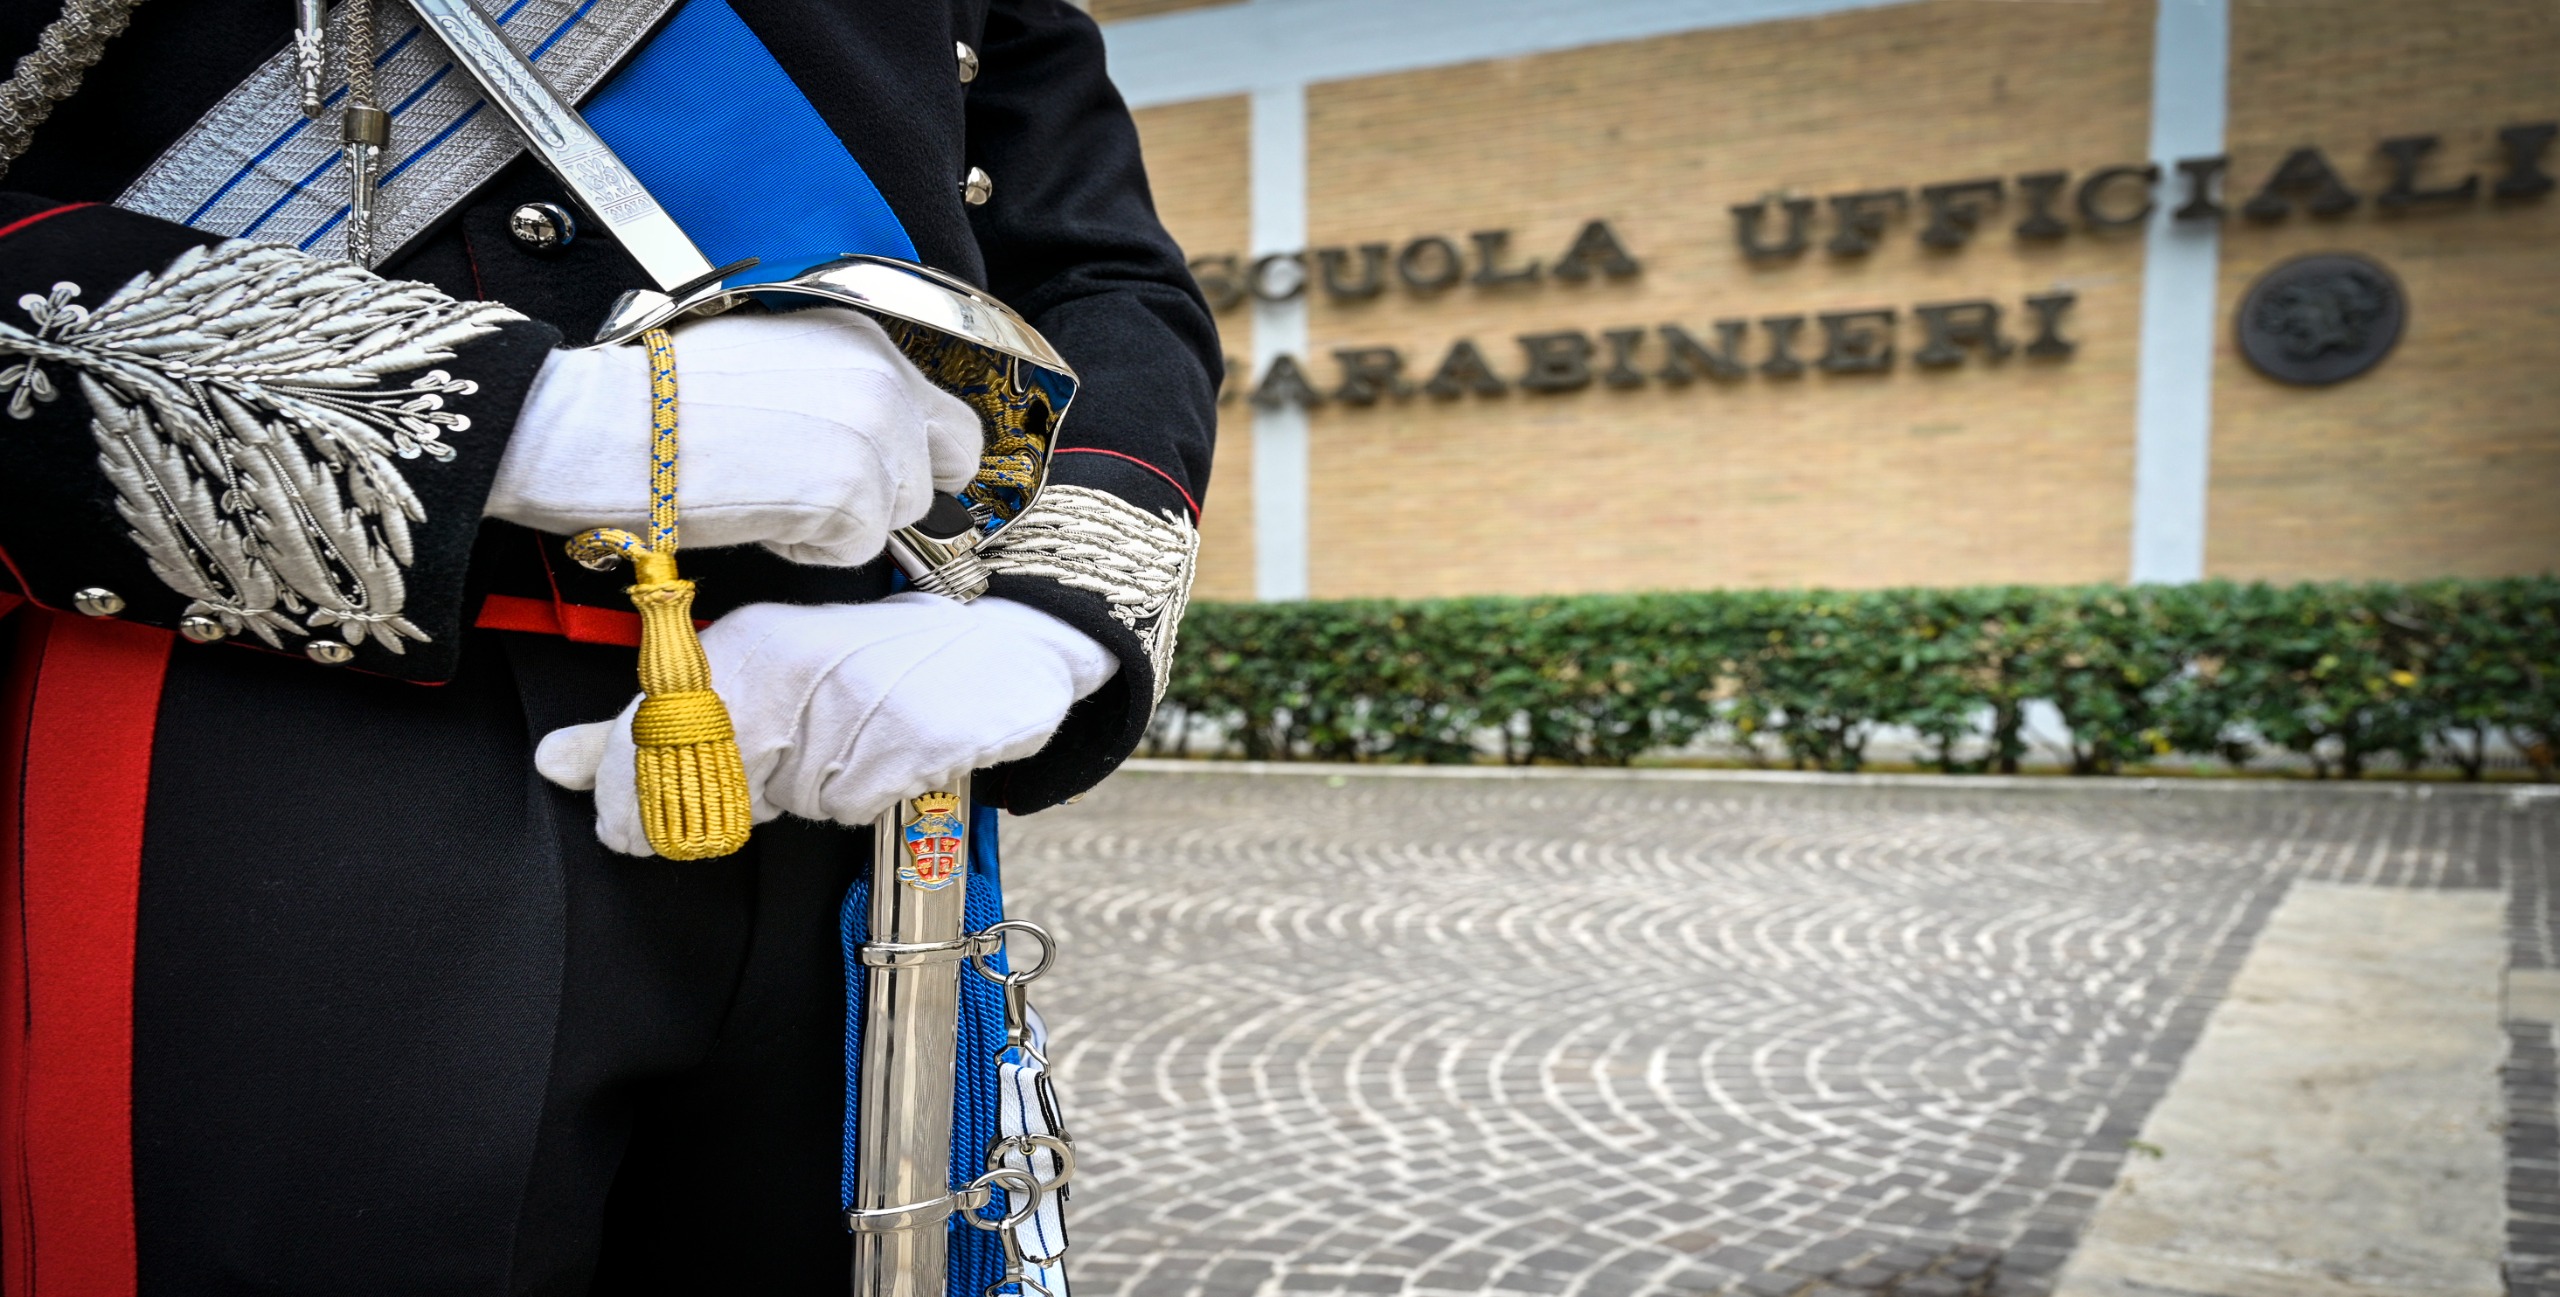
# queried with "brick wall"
point(1198, 163)
point(2011, 472)
point(2445, 459)
point(2441, 461)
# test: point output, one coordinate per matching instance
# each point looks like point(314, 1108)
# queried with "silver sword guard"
point(938, 553)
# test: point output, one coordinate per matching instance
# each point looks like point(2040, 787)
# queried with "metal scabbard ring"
point(694, 799)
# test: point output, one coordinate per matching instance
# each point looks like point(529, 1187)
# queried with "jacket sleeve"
point(1072, 241)
point(245, 442)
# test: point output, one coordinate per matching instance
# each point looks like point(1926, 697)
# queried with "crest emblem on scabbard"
point(934, 843)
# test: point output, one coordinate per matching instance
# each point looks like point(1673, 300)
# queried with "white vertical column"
point(2181, 264)
point(1279, 328)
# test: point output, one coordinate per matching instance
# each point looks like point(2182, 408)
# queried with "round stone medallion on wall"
point(2321, 319)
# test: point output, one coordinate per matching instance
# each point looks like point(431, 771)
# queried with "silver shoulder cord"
point(73, 43)
point(65, 51)
point(363, 126)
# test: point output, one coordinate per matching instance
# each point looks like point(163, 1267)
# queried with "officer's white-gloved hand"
point(842, 709)
point(806, 433)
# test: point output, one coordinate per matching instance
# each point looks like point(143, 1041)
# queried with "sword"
point(919, 945)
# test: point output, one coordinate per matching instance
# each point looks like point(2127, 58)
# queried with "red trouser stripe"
point(85, 694)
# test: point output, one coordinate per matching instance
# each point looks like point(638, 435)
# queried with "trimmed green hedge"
point(2344, 675)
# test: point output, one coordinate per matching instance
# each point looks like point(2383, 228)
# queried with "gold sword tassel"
point(694, 799)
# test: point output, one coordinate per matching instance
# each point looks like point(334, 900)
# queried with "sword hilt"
point(939, 552)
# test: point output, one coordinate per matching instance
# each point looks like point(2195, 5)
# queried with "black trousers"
point(402, 1026)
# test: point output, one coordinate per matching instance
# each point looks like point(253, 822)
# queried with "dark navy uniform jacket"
point(1069, 239)
point(315, 986)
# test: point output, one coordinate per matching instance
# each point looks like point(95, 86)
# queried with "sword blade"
point(565, 144)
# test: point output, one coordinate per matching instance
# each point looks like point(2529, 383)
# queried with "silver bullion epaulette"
point(256, 168)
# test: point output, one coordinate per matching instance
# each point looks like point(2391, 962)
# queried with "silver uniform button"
point(201, 630)
point(328, 652)
point(542, 227)
point(97, 601)
point(977, 187)
point(968, 63)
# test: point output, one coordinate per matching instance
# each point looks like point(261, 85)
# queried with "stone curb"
point(2519, 796)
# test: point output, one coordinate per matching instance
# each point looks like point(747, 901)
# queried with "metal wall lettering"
point(2318, 320)
point(1628, 357)
point(1424, 265)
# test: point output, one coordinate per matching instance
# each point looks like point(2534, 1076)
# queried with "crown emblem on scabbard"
point(936, 843)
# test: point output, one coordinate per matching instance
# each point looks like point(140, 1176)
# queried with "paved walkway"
point(2335, 1132)
point(1618, 1037)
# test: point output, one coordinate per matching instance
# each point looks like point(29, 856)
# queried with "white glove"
point(806, 433)
point(843, 709)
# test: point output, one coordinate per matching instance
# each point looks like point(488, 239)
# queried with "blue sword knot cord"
point(977, 1256)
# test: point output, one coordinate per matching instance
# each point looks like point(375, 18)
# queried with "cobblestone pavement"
point(1610, 1037)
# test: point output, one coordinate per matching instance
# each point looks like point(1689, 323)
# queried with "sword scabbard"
point(902, 1197)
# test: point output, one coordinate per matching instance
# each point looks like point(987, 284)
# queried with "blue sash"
point(712, 125)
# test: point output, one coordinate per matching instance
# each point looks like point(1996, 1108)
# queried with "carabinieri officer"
point(330, 974)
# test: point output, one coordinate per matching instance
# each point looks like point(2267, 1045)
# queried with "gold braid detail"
point(694, 799)
point(1016, 410)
